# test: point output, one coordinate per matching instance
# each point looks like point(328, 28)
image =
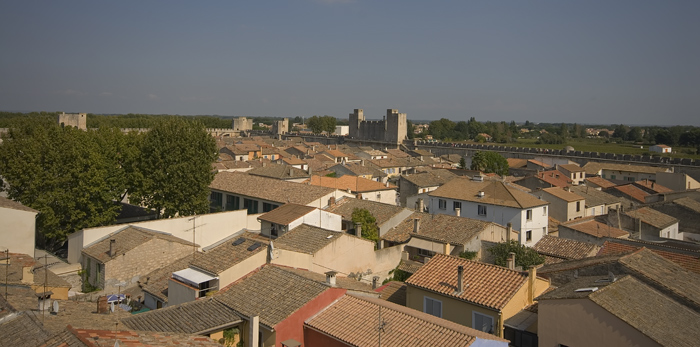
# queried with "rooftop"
point(14, 205)
point(346, 320)
point(563, 194)
point(437, 227)
point(555, 178)
point(227, 254)
point(594, 197)
point(431, 178)
point(652, 217)
point(14, 273)
point(111, 338)
point(307, 239)
point(439, 275)
point(381, 212)
point(688, 260)
point(279, 171)
point(653, 186)
point(600, 182)
point(563, 248)
point(353, 183)
point(267, 188)
point(593, 168)
point(286, 214)
point(571, 167)
point(495, 193)
point(156, 282)
point(393, 291)
point(631, 191)
point(126, 239)
point(593, 227)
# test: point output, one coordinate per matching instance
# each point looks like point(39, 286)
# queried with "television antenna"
point(380, 327)
point(194, 233)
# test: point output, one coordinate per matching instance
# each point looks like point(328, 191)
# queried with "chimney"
point(460, 279)
point(416, 225)
point(112, 247)
point(458, 211)
point(421, 207)
point(331, 201)
point(330, 278)
point(254, 331)
point(27, 275)
point(358, 229)
point(446, 248)
point(532, 275)
point(375, 282)
point(509, 230)
point(511, 261)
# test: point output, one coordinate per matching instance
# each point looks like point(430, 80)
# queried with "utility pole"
point(7, 269)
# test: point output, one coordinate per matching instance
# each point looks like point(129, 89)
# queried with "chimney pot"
point(375, 282)
point(416, 225)
point(460, 279)
point(112, 247)
point(330, 278)
point(358, 229)
point(458, 211)
point(511, 261)
point(509, 230)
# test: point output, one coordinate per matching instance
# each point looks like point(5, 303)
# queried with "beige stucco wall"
point(21, 225)
point(345, 254)
point(241, 269)
point(580, 322)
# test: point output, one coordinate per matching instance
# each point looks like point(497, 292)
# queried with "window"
point(232, 203)
point(630, 179)
point(442, 204)
point(268, 207)
point(544, 231)
point(544, 211)
point(528, 235)
point(481, 210)
point(456, 205)
point(482, 322)
point(578, 206)
point(528, 214)
point(432, 306)
point(250, 205)
point(425, 253)
point(216, 200)
point(612, 177)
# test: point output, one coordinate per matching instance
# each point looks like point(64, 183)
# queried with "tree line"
point(76, 178)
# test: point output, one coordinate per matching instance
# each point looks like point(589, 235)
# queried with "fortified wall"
point(391, 129)
point(242, 124)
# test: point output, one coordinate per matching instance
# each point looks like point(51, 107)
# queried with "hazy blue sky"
point(635, 62)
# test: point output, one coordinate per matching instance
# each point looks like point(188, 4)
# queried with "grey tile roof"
point(409, 266)
point(279, 171)
point(652, 217)
point(340, 281)
point(564, 248)
point(156, 282)
point(195, 317)
point(437, 227)
point(273, 293)
point(393, 291)
point(381, 212)
point(594, 197)
point(126, 239)
point(307, 239)
point(286, 213)
point(358, 169)
point(495, 193)
point(267, 188)
point(7, 203)
point(225, 255)
point(431, 178)
point(22, 329)
point(592, 168)
point(14, 273)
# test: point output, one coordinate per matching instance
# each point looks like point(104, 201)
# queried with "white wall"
point(671, 232)
point(17, 231)
point(323, 219)
point(210, 228)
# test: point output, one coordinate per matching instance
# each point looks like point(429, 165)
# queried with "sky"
point(591, 62)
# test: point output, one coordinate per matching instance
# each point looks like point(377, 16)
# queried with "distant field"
point(598, 145)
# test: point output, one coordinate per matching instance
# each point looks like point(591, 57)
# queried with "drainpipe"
point(253, 331)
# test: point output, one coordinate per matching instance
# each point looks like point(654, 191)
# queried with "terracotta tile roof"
point(359, 170)
point(267, 188)
point(593, 227)
point(126, 239)
point(563, 194)
point(690, 262)
point(631, 191)
point(381, 212)
point(688, 203)
point(438, 227)
point(600, 182)
point(571, 167)
point(568, 290)
point(156, 282)
point(431, 178)
point(397, 153)
point(307, 239)
point(109, 338)
point(439, 275)
point(344, 282)
point(594, 168)
point(594, 197)
point(409, 266)
point(516, 163)
point(273, 293)
point(286, 213)
point(553, 225)
point(353, 183)
point(393, 291)
point(194, 317)
point(653, 186)
point(632, 301)
point(652, 217)
point(346, 320)
point(564, 248)
point(7, 203)
point(555, 178)
point(225, 255)
point(334, 153)
point(495, 193)
point(279, 171)
point(236, 164)
point(293, 161)
point(573, 264)
point(538, 163)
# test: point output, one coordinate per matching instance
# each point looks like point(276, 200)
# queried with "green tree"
point(564, 131)
point(175, 168)
point(64, 173)
point(367, 222)
point(462, 163)
point(524, 256)
point(315, 123)
point(490, 162)
point(328, 123)
point(409, 130)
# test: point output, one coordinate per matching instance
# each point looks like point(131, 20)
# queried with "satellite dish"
point(55, 306)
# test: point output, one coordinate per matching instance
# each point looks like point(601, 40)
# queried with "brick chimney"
point(330, 278)
point(416, 225)
point(112, 247)
point(511, 261)
point(331, 201)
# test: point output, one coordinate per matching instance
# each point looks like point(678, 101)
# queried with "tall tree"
point(175, 168)
point(64, 173)
point(367, 222)
point(490, 162)
point(315, 123)
point(328, 123)
point(524, 256)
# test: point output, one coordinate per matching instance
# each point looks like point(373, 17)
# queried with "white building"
point(342, 130)
point(493, 201)
point(18, 227)
point(660, 149)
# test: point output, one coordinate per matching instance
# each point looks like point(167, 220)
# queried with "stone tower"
point(396, 128)
point(242, 124)
point(280, 127)
point(78, 120)
point(356, 119)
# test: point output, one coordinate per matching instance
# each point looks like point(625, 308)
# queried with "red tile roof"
point(689, 262)
point(594, 228)
point(555, 178)
point(484, 284)
point(356, 184)
point(600, 182)
point(108, 338)
point(631, 191)
point(653, 186)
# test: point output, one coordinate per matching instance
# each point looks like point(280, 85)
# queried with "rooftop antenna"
point(194, 233)
point(7, 269)
point(380, 327)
